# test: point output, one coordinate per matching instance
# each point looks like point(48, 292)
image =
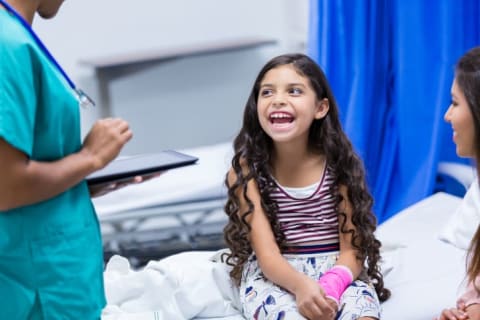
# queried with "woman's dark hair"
point(252, 160)
point(467, 76)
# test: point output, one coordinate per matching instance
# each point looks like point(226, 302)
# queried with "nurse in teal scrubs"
point(51, 258)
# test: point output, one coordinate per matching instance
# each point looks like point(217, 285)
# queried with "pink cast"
point(335, 281)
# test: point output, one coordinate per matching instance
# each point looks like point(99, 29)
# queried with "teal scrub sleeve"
point(18, 94)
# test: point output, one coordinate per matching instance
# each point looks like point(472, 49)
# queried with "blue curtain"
point(390, 64)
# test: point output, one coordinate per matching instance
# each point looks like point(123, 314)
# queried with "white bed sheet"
point(189, 285)
point(424, 273)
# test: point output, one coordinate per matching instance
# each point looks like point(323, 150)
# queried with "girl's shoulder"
point(239, 171)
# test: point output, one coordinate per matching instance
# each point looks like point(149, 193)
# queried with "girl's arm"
point(24, 181)
point(309, 296)
point(348, 267)
point(347, 255)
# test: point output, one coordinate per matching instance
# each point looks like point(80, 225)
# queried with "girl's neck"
point(291, 153)
point(297, 168)
point(297, 148)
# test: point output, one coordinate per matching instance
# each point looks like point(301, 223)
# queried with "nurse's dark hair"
point(252, 162)
point(467, 76)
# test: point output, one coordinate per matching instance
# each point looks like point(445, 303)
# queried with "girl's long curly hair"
point(252, 160)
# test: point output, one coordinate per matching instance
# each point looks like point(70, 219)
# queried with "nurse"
point(51, 258)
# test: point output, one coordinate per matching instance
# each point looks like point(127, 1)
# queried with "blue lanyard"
point(84, 99)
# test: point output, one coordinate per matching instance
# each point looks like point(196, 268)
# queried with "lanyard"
point(83, 98)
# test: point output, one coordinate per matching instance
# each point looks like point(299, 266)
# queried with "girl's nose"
point(279, 100)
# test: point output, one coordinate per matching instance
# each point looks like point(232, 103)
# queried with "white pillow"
point(462, 225)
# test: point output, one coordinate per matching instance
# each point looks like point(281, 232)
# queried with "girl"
point(300, 227)
point(464, 116)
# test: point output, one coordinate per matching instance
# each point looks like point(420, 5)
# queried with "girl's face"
point(460, 117)
point(287, 105)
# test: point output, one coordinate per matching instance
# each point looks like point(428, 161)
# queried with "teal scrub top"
point(51, 259)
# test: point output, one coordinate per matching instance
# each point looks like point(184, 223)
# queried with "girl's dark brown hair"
point(252, 160)
point(467, 76)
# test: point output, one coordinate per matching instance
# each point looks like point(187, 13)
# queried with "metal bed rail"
point(155, 232)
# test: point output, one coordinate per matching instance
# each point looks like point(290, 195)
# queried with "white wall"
point(186, 102)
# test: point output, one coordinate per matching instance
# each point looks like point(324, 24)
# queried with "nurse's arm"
point(24, 181)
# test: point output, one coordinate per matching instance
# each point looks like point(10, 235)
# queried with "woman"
point(51, 258)
point(464, 116)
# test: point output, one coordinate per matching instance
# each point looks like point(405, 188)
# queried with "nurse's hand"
point(107, 187)
point(105, 141)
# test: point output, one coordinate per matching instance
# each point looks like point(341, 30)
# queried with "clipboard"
point(139, 165)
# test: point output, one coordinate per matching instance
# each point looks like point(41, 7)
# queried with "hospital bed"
point(424, 273)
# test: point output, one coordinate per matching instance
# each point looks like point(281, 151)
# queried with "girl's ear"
point(322, 108)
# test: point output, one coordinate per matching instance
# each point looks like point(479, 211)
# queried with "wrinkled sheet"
point(187, 285)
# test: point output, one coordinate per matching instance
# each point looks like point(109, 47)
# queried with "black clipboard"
point(139, 165)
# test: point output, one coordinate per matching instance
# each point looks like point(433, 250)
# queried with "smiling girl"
point(301, 229)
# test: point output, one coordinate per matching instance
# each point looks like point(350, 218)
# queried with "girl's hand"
point(311, 301)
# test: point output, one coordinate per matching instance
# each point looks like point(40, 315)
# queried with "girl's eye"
point(266, 92)
point(296, 91)
point(454, 103)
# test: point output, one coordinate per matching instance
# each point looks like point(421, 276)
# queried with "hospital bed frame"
point(194, 224)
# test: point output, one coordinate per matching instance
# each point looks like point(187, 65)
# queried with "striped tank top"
point(311, 218)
